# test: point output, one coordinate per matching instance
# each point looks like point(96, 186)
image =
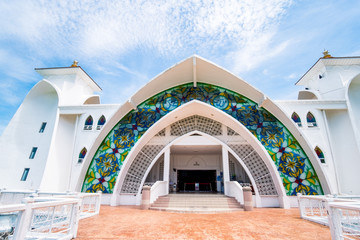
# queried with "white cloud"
point(54, 31)
point(97, 28)
point(292, 76)
point(254, 52)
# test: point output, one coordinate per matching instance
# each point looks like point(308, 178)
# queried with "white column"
point(225, 161)
point(167, 168)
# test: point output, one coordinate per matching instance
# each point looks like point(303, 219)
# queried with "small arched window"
point(82, 155)
point(88, 123)
point(295, 117)
point(101, 122)
point(320, 154)
point(311, 121)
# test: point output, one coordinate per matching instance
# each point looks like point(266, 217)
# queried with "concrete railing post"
point(76, 217)
point(23, 225)
point(98, 202)
point(301, 205)
point(145, 198)
point(248, 201)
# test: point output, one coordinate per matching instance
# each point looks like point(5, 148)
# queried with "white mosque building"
point(194, 127)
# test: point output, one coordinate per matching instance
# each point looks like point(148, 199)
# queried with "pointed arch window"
point(295, 117)
point(311, 121)
point(320, 154)
point(88, 123)
point(82, 155)
point(101, 122)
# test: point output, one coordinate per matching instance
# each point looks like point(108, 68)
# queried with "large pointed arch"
point(294, 167)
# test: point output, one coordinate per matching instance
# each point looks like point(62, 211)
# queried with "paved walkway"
point(262, 223)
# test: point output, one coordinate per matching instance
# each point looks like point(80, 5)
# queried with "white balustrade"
point(157, 190)
point(345, 220)
point(56, 219)
point(13, 196)
point(342, 215)
point(234, 189)
point(90, 204)
point(50, 215)
point(313, 208)
point(10, 216)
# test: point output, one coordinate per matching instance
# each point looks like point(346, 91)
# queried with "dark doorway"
point(188, 180)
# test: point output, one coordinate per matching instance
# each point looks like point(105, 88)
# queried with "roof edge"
point(69, 70)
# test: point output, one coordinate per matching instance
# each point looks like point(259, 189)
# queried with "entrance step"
point(196, 203)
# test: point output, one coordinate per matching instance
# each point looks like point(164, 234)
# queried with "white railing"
point(234, 189)
point(10, 216)
point(13, 196)
point(54, 215)
point(16, 196)
point(160, 188)
point(55, 219)
point(51, 219)
point(345, 220)
point(342, 215)
point(313, 208)
point(90, 204)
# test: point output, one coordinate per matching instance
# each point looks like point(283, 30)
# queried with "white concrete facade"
point(65, 98)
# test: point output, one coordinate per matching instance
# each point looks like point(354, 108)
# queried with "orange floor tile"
point(262, 223)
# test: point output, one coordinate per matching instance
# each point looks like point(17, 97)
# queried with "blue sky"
point(124, 44)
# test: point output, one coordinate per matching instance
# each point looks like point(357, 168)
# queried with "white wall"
point(86, 138)
point(345, 150)
point(58, 167)
point(22, 134)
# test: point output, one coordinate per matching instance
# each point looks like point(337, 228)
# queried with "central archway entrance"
point(159, 158)
point(196, 164)
point(199, 163)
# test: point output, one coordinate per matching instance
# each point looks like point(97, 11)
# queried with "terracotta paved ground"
point(262, 223)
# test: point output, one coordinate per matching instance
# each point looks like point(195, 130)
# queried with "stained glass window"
point(293, 165)
point(320, 154)
point(295, 117)
point(311, 121)
point(82, 155)
point(101, 122)
point(88, 123)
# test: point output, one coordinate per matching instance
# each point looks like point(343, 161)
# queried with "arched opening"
point(311, 121)
point(101, 122)
point(82, 155)
point(320, 154)
point(195, 159)
point(92, 100)
point(88, 123)
point(271, 140)
point(307, 95)
point(295, 117)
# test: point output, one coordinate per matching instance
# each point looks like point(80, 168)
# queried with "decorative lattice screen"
point(193, 123)
point(138, 168)
point(257, 168)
